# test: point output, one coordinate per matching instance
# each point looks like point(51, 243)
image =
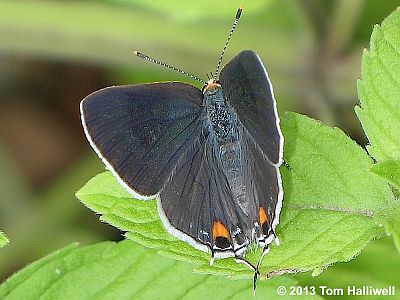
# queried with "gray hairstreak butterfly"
point(210, 157)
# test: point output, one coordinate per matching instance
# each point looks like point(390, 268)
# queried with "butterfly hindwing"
point(263, 178)
point(197, 195)
point(140, 131)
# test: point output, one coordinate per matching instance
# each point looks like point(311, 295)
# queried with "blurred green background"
point(54, 53)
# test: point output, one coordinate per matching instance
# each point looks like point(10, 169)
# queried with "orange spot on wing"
point(262, 216)
point(219, 230)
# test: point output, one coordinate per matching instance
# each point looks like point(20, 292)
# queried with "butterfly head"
point(211, 87)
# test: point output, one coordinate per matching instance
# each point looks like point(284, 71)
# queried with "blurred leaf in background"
point(3, 239)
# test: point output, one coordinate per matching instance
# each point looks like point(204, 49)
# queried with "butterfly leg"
point(287, 165)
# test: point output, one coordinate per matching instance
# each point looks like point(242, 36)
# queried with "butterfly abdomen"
point(225, 131)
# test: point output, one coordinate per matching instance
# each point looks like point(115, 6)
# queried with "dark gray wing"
point(248, 89)
point(198, 194)
point(264, 179)
point(140, 131)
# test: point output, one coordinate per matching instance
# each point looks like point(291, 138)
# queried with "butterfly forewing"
point(141, 131)
point(247, 88)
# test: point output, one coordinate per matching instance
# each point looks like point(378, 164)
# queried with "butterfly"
point(209, 156)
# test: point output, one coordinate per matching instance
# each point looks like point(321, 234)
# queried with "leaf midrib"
point(363, 213)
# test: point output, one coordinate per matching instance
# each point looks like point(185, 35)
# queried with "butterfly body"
point(226, 134)
point(222, 127)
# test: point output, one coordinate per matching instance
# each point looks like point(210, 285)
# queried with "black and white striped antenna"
point(235, 22)
point(154, 61)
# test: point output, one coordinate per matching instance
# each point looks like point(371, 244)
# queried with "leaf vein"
point(154, 278)
point(194, 286)
point(315, 238)
point(125, 270)
point(365, 213)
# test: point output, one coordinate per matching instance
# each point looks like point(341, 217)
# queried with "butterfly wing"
point(264, 182)
point(141, 131)
point(247, 87)
point(196, 203)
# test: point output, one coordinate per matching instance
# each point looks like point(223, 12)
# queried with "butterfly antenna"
point(152, 60)
point(237, 17)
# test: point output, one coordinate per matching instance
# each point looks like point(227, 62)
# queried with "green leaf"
point(329, 169)
point(379, 90)
point(367, 269)
point(125, 270)
point(3, 239)
point(379, 111)
point(389, 171)
point(389, 218)
point(330, 198)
